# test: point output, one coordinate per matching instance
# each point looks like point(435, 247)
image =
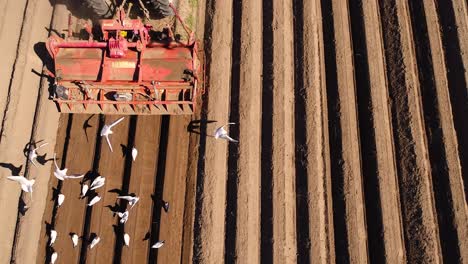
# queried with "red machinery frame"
point(148, 74)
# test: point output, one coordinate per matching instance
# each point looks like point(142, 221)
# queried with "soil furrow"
point(157, 196)
point(142, 185)
point(347, 176)
point(386, 220)
point(104, 221)
point(171, 222)
point(211, 220)
point(266, 210)
point(245, 157)
point(445, 153)
point(283, 172)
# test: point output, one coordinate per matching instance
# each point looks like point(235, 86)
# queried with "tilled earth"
point(353, 145)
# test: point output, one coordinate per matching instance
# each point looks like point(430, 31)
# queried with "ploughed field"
point(353, 144)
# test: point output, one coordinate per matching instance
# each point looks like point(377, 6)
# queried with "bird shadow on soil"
point(114, 208)
point(125, 150)
point(147, 236)
point(14, 170)
point(55, 193)
point(22, 208)
point(195, 125)
point(86, 125)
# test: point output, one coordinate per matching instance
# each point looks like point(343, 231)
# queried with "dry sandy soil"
point(353, 141)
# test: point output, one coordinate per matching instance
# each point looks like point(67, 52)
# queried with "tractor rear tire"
point(100, 8)
point(159, 8)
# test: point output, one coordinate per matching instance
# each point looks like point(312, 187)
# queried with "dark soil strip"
point(120, 230)
point(233, 149)
point(197, 245)
point(266, 214)
point(448, 236)
point(367, 136)
point(336, 158)
point(301, 162)
point(456, 81)
point(89, 209)
point(159, 187)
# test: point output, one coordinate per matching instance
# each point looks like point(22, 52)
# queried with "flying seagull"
point(127, 239)
point(158, 244)
point(98, 182)
point(74, 239)
point(132, 200)
point(53, 236)
point(166, 206)
point(94, 200)
point(84, 189)
point(134, 153)
point(53, 257)
point(33, 153)
point(123, 216)
point(26, 185)
point(220, 132)
point(94, 242)
point(62, 174)
point(61, 198)
point(106, 131)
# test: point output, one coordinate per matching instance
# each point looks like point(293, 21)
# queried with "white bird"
point(127, 239)
point(123, 216)
point(94, 242)
point(98, 182)
point(61, 198)
point(158, 244)
point(220, 132)
point(84, 189)
point(94, 200)
point(62, 174)
point(53, 257)
point(106, 131)
point(132, 200)
point(75, 240)
point(26, 185)
point(134, 153)
point(53, 236)
point(33, 153)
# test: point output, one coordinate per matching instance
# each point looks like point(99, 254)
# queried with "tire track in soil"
point(142, 185)
point(347, 179)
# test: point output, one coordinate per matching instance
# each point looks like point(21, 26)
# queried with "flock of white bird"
point(98, 182)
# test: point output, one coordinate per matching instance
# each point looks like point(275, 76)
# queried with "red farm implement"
point(125, 71)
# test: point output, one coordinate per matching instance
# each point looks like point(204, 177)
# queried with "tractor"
point(125, 66)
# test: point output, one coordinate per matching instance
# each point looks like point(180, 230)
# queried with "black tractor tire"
point(159, 8)
point(99, 8)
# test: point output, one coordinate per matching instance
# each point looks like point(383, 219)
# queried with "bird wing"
point(75, 176)
point(127, 197)
point(55, 161)
point(20, 179)
point(230, 138)
point(108, 143)
point(116, 122)
point(42, 145)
